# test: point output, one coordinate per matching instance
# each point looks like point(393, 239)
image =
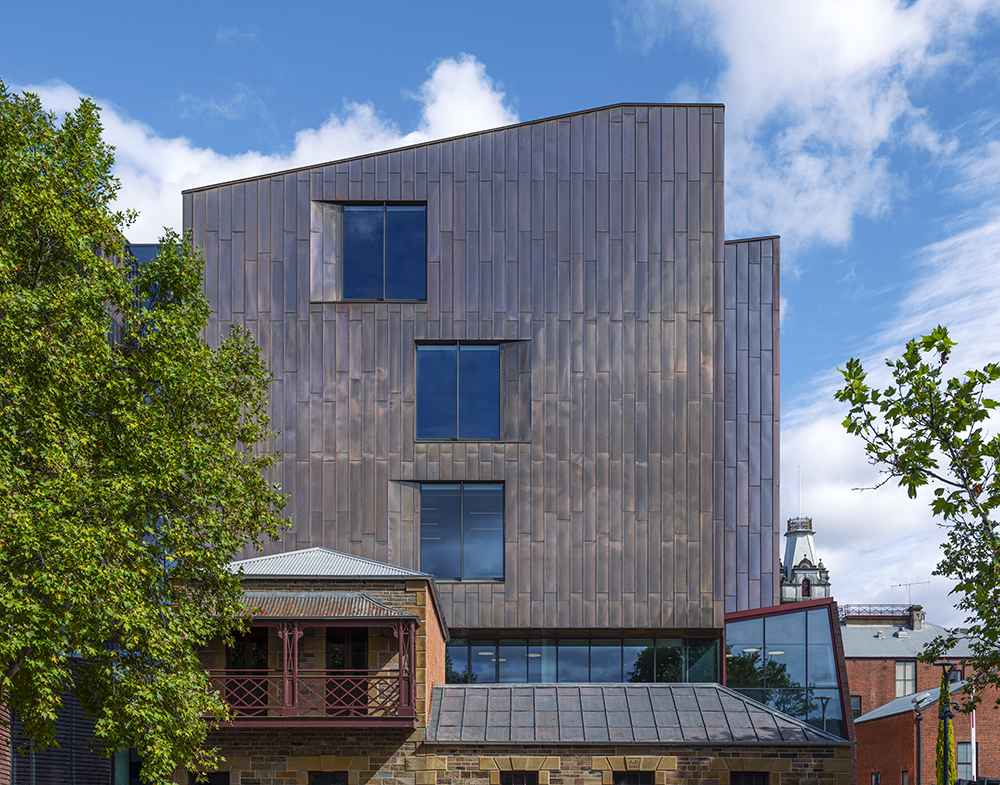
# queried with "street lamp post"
point(947, 715)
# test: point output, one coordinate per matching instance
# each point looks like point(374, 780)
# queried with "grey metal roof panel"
point(622, 713)
point(861, 640)
point(320, 605)
point(920, 700)
point(319, 563)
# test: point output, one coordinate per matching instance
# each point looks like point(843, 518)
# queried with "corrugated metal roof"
point(919, 701)
point(617, 713)
point(317, 605)
point(319, 563)
point(861, 640)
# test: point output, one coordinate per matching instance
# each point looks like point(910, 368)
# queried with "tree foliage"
point(129, 468)
point(928, 430)
point(946, 759)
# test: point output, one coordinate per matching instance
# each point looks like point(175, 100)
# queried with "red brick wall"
point(887, 746)
point(875, 681)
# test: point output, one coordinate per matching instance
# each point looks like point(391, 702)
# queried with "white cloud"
point(458, 97)
point(869, 539)
point(235, 37)
point(820, 98)
point(818, 95)
point(242, 101)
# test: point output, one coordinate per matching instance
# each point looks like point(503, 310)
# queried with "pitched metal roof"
point(319, 563)
point(320, 605)
point(920, 701)
point(897, 642)
point(618, 713)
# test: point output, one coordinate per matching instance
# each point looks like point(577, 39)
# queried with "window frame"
point(856, 711)
point(344, 262)
point(906, 681)
point(503, 530)
point(498, 345)
point(963, 766)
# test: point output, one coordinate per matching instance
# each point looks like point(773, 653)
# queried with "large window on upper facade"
point(458, 391)
point(461, 531)
point(384, 252)
point(906, 678)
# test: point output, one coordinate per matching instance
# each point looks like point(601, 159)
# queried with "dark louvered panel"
point(70, 762)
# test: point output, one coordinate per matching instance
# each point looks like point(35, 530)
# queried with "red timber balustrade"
point(320, 673)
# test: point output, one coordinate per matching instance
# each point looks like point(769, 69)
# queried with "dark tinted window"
point(856, 706)
point(328, 778)
point(574, 661)
point(458, 391)
point(385, 252)
point(747, 778)
point(547, 660)
point(518, 778)
point(461, 531)
point(606, 661)
point(632, 778)
point(405, 252)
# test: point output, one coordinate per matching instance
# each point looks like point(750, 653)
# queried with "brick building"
point(341, 679)
point(894, 697)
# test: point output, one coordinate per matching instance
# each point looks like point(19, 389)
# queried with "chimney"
point(916, 616)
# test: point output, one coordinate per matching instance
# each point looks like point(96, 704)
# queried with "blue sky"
point(865, 132)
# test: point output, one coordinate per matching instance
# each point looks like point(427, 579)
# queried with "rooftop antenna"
point(909, 589)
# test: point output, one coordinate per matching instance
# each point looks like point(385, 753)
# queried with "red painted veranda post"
point(318, 697)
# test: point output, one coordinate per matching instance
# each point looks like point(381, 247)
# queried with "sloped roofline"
point(920, 701)
point(400, 573)
point(383, 571)
point(475, 733)
point(282, 172)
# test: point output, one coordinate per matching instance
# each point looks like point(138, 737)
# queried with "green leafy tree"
point(928, 430)
point(947, 760)
point(130, 472)
point(658, 663)
point(454, 676)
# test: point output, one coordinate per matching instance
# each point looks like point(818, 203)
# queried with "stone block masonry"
point(288, 756)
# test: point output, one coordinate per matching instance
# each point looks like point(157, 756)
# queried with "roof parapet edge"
point(432, 141)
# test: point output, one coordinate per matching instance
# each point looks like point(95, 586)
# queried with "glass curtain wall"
point(582, 660)
point(787, 661)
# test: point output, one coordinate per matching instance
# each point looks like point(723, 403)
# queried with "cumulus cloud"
point(818, 95)
point(458, 97)
point(872, 539)
point(821, 97)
